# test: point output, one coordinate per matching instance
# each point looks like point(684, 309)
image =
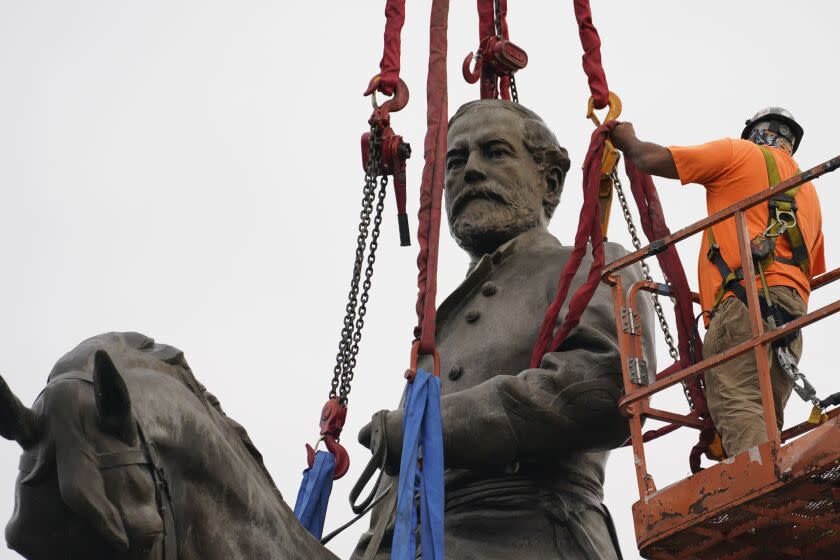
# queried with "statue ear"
point(554, 178)
point(113, 403)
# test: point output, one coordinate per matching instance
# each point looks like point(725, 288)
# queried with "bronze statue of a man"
point(524, 448)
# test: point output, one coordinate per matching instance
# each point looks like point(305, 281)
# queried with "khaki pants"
point(732, 388)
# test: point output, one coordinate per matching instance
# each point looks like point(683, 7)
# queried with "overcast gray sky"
point(190, 170)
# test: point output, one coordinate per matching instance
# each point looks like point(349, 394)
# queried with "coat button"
point(488, 289)
point(456, 373)
point(472, 316)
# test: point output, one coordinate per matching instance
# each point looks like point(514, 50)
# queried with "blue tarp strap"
point(421, 429)
point(314, 494)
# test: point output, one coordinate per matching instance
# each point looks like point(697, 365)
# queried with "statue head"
point(504, 174)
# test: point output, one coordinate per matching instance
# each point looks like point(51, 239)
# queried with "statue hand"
point(383, 436)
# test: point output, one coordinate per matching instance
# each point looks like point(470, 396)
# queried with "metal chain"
point(345, 343)
point(497, 17)
point(634, 235)
point(657, 306)
point(513, 93)
point(347, 377)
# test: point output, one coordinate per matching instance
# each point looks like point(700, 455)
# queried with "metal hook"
point(613, 113)
point(471, 75)
point(396, 103)
point(411, 372)
point(342, 458)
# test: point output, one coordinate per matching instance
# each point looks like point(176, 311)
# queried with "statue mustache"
point(484, 191)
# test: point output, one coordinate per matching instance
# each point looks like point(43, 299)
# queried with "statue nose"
point(473, 170)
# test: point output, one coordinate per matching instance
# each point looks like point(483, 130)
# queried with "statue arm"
point(568, 404)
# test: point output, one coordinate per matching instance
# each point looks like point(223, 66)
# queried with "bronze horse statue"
point(126, 456)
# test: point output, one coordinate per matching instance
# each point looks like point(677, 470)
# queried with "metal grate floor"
point(799, 520)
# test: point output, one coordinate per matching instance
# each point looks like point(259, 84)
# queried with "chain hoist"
point(496, 60)
point(351, 332)
point(497, 23)
point(384, 154)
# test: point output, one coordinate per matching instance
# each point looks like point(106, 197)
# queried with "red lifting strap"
point(431, 188)
point(589, 228)
point(653, 224)
point(591, 43)
point(389, 66)
point(690, 346)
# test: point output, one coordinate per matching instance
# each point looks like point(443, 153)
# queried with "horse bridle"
point(145, 454)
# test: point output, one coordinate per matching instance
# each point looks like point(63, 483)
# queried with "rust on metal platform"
point(751, 506)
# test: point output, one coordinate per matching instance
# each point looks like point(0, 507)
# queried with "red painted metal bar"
point(805, 427)
point(635, 404)
point(645, 392)
point(761, 351)
point(644, 480)
point(825, 279)
point(663, 290)
point(794, 431)
point(672, 417)
point(749, 202)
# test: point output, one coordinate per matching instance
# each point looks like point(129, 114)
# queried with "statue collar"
point(480, 270)
point(534, 237)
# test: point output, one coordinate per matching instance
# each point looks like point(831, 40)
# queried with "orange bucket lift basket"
point(780, 499)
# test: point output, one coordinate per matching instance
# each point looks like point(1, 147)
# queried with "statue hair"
point(537, 137)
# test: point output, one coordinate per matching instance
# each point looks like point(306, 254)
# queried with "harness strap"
point(122, 459)
point(731, 278)
point(163, 497)
point(779, 206)
point(772, 168)
point(786, 204)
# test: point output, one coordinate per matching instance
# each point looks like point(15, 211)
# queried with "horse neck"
point(225, 505)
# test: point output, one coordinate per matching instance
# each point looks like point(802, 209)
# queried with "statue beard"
point(481, 219)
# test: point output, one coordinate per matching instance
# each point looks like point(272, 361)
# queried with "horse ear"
point(113, 403)
point(17, 422)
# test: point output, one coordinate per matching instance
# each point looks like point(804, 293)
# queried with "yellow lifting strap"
point(609, 161)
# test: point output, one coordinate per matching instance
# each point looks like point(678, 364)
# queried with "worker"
point(787, 242)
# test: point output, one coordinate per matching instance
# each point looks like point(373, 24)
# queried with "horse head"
point(127, 457)
point(83, 488)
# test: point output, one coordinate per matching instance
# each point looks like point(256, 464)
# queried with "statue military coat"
point(525, 449)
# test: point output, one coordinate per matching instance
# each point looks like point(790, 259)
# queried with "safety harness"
point(781, 221)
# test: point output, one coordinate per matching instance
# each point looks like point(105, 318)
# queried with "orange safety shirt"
point(731, 170)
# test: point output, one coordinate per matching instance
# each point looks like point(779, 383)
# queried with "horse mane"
point(135, 349)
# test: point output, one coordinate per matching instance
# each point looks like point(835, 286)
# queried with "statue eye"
point(497, 152)
point(454, 162)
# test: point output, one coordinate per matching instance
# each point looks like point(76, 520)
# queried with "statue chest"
point(488, 326)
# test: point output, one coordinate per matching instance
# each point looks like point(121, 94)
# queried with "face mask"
point(766, 137)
